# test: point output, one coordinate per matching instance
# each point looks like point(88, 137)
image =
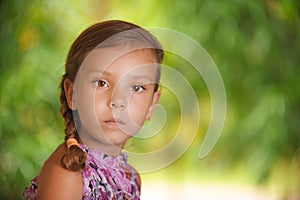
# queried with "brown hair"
point(96, 36)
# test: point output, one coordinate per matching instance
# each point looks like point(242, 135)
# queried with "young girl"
point(109, 89)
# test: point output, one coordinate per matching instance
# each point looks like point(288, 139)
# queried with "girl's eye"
point(137, 88)
point(102, 83)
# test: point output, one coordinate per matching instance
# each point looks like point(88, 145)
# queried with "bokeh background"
point(255, 45)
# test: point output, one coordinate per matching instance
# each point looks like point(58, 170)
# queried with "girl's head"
point(109, 86)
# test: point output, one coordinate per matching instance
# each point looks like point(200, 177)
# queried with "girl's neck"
point(105, 147)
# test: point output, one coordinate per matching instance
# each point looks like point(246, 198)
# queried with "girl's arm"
point(55, 182)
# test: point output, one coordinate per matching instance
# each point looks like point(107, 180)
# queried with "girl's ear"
point(69, 91)
point(155, 99)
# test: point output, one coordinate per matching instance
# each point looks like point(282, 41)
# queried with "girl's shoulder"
point(55, 181)
point(135, 173)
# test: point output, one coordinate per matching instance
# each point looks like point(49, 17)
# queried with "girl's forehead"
point(114, 58)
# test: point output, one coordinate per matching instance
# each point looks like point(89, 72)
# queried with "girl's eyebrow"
point(142, 78)
point(139, 77)
point(98, 71)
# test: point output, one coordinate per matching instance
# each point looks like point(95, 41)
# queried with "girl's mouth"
point(114, 122)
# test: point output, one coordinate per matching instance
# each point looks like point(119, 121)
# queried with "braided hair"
point(97, 34)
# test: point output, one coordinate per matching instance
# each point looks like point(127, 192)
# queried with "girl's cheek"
point(137, 115)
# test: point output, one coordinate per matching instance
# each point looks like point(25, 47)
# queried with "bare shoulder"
point(55, 182)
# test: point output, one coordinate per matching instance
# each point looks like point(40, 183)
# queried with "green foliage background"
point(255, 44)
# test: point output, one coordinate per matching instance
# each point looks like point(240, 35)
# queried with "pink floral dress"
point(105, 178)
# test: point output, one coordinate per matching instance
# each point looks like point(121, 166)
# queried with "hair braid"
point(75, 157)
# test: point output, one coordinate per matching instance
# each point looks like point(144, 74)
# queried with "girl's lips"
point(114, 122)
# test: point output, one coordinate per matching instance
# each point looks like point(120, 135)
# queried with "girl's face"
point(114, 95)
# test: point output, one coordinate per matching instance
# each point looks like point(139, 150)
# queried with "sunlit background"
point(255, 45)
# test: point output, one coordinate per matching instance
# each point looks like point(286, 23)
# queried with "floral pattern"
point(105, 178)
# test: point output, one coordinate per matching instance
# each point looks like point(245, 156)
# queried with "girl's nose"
point(118, 104)
point(118, 97)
